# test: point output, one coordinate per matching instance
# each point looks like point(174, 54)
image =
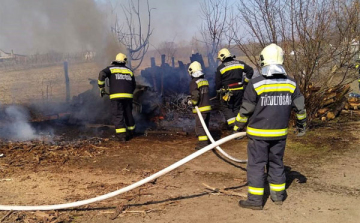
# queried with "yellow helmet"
point(121, 58)
point(195, 69)
point(223, 54)
point(271, 55)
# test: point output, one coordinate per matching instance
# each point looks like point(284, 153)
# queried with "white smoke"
point(16, 124)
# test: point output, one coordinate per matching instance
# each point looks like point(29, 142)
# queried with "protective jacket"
point(231, 71)
point(199, 89)
point(121, 80)
point(267, 105)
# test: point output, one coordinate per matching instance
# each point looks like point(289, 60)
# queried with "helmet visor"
point(274, 69)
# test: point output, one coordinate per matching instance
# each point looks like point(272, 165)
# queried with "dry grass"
point(47, 83)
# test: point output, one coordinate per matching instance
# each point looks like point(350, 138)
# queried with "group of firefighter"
point(262, 105)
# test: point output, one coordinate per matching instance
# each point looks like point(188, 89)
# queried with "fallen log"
point(322, 111)
point(330, 96)
point(328, 102)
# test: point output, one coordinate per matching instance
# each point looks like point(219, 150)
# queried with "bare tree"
point(132, 34)
point(168, 49)
point(214, 30)
point(317, 37)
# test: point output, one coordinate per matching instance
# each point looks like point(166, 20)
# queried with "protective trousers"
point(231, 108)
point(269, 154)
point(200, 131)
point(123, 119)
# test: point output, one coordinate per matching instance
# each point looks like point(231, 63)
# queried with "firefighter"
point(122, 85)
point(231, 78)
point(199, 89)
point(267, 104)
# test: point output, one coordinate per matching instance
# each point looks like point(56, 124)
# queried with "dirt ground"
point(79, 162)
point(82, 162)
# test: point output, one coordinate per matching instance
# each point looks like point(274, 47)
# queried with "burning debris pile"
point(170, 80)
point(171, 84)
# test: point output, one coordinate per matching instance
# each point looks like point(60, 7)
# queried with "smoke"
point(15, 124)
point(66, 26)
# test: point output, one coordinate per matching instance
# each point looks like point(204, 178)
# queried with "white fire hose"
point(212, 139)
point(125, 189)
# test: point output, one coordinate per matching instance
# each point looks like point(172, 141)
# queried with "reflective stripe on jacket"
point(121, 80)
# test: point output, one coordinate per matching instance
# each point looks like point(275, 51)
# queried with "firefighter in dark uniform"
point(122, 85)
point(231, 78)
point(267, 104)
point(199, 89)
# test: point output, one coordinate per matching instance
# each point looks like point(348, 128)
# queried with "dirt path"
point(322, 172)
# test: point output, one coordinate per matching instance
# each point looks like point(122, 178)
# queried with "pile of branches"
point(333, 102)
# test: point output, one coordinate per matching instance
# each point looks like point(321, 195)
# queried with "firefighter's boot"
point(250, 205)
point(130, 135)
point(277, 197)
point(201, 144)
point(121, 137)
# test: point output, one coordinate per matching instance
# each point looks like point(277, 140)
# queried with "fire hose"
point(212, 139)
point(127, 188)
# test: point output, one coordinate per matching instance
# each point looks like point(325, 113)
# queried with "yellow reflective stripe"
point(239, 118)
point(121, 70)
point(277, 187)
point(246, 80)
point(203, 138)
point(231, 67)
point(256, 190)
point(202, 83)
point(357, 66)
point(235, 89)
point(267, 132)
point(122, 130)
point(359, 80)
point(236, 128)
point(121, 95)
point(275, 88)
point(194, 102)
point(131, 127)
point(101, 82)
point(300, 116)
point(231, 121)
point(202, 109)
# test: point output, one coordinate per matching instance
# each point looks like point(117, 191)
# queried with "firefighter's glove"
point(300, 129)
point(189, 102)
point(239, 126)
point(102, 92)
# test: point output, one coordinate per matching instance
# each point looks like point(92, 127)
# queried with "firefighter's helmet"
point(195, 69)
point(121, 58)
point(223, 54)
point(271, 55)
point(271, 61)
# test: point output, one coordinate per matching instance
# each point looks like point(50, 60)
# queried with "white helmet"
point(223, 54)
point(121, 58)
point(271, 54)
point(195, 69)
point(271, 60)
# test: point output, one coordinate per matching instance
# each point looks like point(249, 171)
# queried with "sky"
point(36, 26)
